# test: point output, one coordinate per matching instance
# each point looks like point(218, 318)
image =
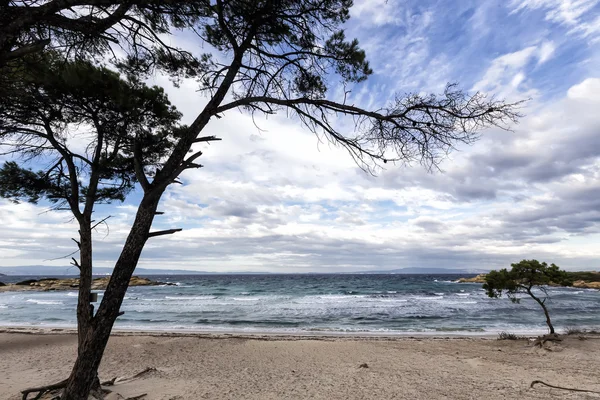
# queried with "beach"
point(222, 366)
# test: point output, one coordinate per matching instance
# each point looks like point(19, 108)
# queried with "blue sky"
point(278, 200)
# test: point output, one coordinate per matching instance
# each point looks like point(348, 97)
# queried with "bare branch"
point(165, 232)
point(206, 139)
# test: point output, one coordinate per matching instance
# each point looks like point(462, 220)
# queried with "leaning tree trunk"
point(93, 340)
point(541, 303)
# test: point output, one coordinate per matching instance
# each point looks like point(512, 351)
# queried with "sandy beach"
point(288, 367)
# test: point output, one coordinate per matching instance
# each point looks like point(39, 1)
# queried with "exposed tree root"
point(43, 389)
point(110, 383)
point(95, 393)
point(563, 388)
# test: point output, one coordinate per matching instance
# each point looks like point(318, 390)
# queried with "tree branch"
point(165, 232)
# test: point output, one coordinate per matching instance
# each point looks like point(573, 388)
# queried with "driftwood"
point(128, 378)
point(541, 340)
point(562, 388)
point(138, 397)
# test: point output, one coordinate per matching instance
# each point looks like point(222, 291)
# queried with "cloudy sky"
point(278, 200)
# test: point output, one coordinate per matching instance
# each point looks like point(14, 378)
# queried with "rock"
point(27, 282)
point(48, 284)
point(477, 279)
point(2, 284)
point(363, 365)
point(586, 285)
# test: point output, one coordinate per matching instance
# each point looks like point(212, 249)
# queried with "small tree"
point(522, 278)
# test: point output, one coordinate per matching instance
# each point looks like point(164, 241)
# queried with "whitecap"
point(463, 294)
point(45, 302)
point(188, 297)
point(428, 298)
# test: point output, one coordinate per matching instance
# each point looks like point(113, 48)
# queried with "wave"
point(45, 302)
point(427, 298)
point(205, 297)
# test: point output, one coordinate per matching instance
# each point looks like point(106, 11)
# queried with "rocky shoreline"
point(580, 283)
point(54, 284)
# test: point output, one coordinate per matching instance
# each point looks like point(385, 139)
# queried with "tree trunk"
point(85, 310)
point(93, 340)
point(541, 303)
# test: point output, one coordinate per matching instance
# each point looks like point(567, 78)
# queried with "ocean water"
point(341, 304)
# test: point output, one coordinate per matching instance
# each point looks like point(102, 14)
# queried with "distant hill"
point(43, 270)
point(430, 271)
point(38, 270)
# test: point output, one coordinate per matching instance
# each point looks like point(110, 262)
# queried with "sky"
point(276, 199)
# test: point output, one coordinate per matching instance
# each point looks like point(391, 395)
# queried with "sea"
point(340, 304)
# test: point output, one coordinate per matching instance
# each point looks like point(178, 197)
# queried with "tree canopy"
point(91, 129)
point(261, 56)
point(522, 278)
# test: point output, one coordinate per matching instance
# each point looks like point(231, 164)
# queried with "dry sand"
point(224, 367)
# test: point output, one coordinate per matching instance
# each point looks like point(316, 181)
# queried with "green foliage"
point(587, 276)
point(51, 100)
point(18, 183)
point(522, 277)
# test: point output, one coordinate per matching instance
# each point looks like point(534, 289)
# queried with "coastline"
point(260, 335)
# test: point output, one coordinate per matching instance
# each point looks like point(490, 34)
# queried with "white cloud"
point(546, 51)
point(507, 68)
point(561, 11)
point(376, 12)
point(588, 90)
point(590, 29)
